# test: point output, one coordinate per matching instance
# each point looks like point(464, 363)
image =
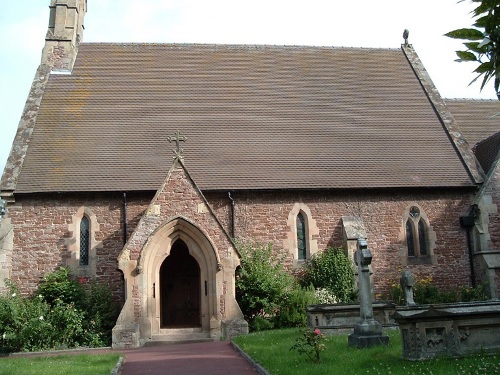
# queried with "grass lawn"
point(83, 364)
point(271, 349)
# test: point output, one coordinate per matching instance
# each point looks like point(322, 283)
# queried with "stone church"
point(139, 164)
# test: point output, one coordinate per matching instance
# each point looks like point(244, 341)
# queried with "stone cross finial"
point(177, 138)
point(406, 33)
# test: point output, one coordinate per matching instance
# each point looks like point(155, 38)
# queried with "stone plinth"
point(341, 317)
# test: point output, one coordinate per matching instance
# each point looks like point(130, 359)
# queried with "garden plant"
point(271, 297)
point(62, 313)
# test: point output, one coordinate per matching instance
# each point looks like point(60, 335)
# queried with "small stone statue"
point(407, 282)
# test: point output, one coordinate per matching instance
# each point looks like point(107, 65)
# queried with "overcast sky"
point(361, 23)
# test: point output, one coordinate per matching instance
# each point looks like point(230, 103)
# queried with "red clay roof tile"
point(256, 117)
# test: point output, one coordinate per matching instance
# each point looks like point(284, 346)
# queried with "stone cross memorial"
point(367, 331)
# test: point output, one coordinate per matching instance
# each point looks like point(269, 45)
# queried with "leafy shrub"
point(23, 322)
point(292, 311)
point(265, 290)
point(396, 294)
point(101, 311)
point(331, 270)
point(50, 319)
point(58, 285)
point(425, 292)
point(479, 293)
point(261, 281)
point(260, 323)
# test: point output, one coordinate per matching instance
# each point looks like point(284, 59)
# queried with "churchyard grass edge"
point(271, 350)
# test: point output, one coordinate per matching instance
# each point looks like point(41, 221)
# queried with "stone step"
point(179, 335)
point(180, 331)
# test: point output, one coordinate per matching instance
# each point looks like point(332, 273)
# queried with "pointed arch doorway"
point(180, 284)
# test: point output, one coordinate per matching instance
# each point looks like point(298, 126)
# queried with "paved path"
point(208, 358)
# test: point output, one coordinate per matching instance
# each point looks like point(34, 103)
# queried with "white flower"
point(13, 294)
point(4, 335)
point(324, 296)
point(41, 317)
point(40, 296)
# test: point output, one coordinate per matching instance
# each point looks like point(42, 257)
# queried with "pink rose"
point(317, 331)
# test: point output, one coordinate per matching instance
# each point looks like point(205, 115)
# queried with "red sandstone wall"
point(41, 228)
point(41, 231)
point(263, 216)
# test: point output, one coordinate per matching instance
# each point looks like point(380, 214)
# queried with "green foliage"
point(468, 294)
point(425, 292)
point(268, 295)
point(101, 311)
point(23, 322)
point(59, 286)
point(487, 51)
point(261, 281)
point(292, 311)
point(260, 323)
point(52, 320)
point(310, 343)
point(331, 270)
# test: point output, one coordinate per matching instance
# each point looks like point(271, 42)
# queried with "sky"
point(360, 23)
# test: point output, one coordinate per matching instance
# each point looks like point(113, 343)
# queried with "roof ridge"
point(472, 100)
point(242, 45)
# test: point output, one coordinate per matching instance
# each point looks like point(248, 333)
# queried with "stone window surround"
point(73, 243)
point(312, 230)
point(430, 258)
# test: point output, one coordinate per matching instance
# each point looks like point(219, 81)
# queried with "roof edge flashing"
point(449, 124)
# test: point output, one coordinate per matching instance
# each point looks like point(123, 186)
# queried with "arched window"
point(418, 239)
point(84, 241)
point(410, 243)
point(300, 241)
point(301, 237)
point(416, 234)
point(422, 238)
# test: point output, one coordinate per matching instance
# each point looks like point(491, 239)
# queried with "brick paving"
point(207, 358)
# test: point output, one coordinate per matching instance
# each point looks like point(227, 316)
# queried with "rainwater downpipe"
point(124, 218)
point(232, 213)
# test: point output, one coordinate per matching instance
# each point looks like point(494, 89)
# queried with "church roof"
point(477, 119)
point(256, 117)
point(487, 151)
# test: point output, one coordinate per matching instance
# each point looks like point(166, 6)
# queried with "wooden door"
point(180, 289)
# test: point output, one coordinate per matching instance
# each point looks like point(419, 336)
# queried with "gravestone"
point(407, 282)
point(367, 331)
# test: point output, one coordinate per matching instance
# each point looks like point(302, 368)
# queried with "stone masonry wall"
point(493, 189)
point(41, 234)
point(263, 217)
point(41, 229)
